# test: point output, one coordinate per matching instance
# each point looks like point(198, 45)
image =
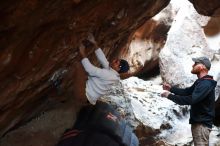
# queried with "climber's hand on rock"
point(92, 39)
point(82, 50)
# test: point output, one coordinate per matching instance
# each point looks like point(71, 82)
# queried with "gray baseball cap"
point(204, 60)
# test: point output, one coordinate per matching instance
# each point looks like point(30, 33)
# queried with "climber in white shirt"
point(100, 80)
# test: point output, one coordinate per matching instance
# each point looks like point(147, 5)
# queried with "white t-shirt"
point(99, 80)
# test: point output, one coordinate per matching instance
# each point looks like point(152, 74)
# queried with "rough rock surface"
point(156, 120)
point(148, 40)
point(38, 48)
point(207, 8)
point(186, 39)
point(39, 41)
point(46, 129)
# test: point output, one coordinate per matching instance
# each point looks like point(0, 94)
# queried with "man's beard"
point(195, 71)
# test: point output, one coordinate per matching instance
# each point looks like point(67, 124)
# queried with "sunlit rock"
point(141, 104)
point(148, 40)
point(186, 39)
